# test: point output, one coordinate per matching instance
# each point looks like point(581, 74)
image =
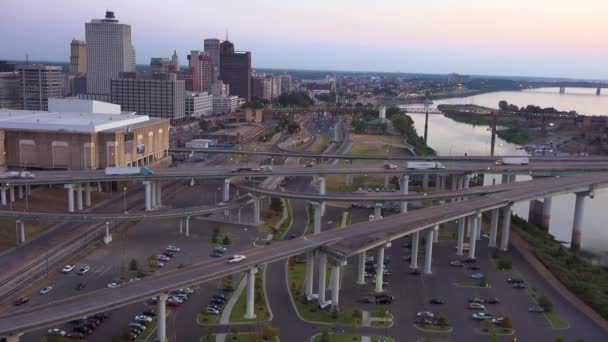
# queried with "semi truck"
point(513, 161)
point(17, 174)
point(124, 171)
point(428, 165)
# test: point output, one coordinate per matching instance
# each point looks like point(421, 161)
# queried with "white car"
point(157, 263)
point(325, 304)
point(143, 318)
point(476, 276)
point(113, 284)
point(173, 249)
point(476, 306)
point(56, 331)
point(162, 257)
point(46, 289)
point(480, 316)
point(67, 269)
point(175, 299)
point(213, 311)
point(84, 270)
point(236, 258)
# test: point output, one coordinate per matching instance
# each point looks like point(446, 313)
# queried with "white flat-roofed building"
point(78, 137)
point(198, 104)
point(225, 104)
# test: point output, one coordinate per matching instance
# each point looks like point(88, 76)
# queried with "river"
point(449, 137)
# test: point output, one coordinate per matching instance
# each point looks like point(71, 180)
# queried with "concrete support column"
point(316, 209)
point(473, 235)
point(20, 189)
point(250, 310)
point(436, 234)
point(379, 270)
point(79, 201)
point(161, 316)
point(87, 197)
point(335, 285)
point(159, 195)
point(322, 192)
point(70, 189)
point(444, 180)
point(361, 269)
point(21, 226)
point(437, 182)
point(11, 191)
point(386, 181)
point(467, 181)
point(579, 208)
point(148, 191)
point(428, 256)
point(181, 226)
point(256, 210)
point(478, 229)
point(415, 240)
point(455, 181)
point(322, 276)
point(460, 243)
point(28, 189)
point(188, 226)
point(107, 238)
point(506, 226)
point(493, 228)
point(405, 189)
point(3, 195)
point(504, 179)
point(425, 182)
point(226, 194)
point(377, 211)
point(512, 178)
point(153, 194)
point(310, 268)
point(546, 219)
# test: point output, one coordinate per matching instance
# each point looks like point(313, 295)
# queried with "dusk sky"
point(560, 38)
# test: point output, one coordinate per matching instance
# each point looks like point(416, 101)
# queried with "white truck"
point(513, 161)
point(427, 165)
point(17, 174)
point(124, 171)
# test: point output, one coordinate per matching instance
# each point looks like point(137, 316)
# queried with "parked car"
point(163, 258)
point(536, 308)
point(425, 314)
point(113, 284)
point(476, 306)
point(46, 289)
point(149, 313)
point(480, 316)
point(518, 286)
point(456, 263)
point(435, 301)
point(473, 268)
point(367, 300)
point(236, 258)
point(56, 331)
point(414, 272)
point(213, 311)
point(83, 330)
point(137, 326)
point(469, 260)
point(84, 270)
point(144, 318)
point(76, 335)
point(515, 281)
point(67, 268)
point(227, 288)
point(173, 249)
point(476, 276)
point(325, 304)
point(216, 254)
point(498, 320)
point(313, 297)
point(476, 300)
point(157, 263)
point(21, 301)
point(171, 303)
point(492, 301)
point(384, 300)
point(220, 249)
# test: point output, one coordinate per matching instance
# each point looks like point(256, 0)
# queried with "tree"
point(276, 204)
point(226, 240)
point(324, 336)
point(133, 265)
point(215, 236)
point(506, 323)
point(292, 262)
point(293, 127)
point(270, 332)
point(203, 125)
point(442, 320)
point(545, 303)
point(503, 105)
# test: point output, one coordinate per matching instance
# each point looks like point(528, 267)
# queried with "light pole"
point(124, 197)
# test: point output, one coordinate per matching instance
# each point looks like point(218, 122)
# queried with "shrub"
point(442, 320)
point(325, 336)
point(226, 240)
point(545, 303)
point(133, 265)
point(270, 332)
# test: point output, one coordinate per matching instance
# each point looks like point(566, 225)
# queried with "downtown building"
point(261, 87)
point(9, 89)
point(200, 64)
point(37, 84)
point(159, 95)
point(235, 70)
point(109, 52)
point(225, 104)
point(198, 104)
point(212, 48)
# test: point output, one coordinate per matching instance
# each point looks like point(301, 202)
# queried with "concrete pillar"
point(512, 178)
point(161, 317)
point(414, 260)
point(21, 226)
point(256, 210)
point(335, 285)
point(405, 189)
point(377, 211)
point(385, 181)
point(28, 189)
point(148, 190)
point(504, 179)
point(322, 192)
point(181, 227)
point(250, 310)
point(478, 230)
point(467, 181)
point(20, 189)
point(443, 182)
point(317, 209)
point(87, 197)
point(379, 270)
point(226, 194)
point(460, 244)
point(153, 194)
point(107, 238)
point(188, 226)
point(506, 226)
point(579, 209)
point(546, 219)
point(12, 338)
point(436, 234)
point(428, 255)
point(437, 182)
point(473, 235)
point(79, 201)
point(11, 190)
point(322, 276)
point(361, 269)
point(310, 268)
point(425, 182)
point(493, 228)
point(70, 189)
point(159, 195)
point(3, 195)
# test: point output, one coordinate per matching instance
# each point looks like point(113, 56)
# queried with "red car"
point(171, 303)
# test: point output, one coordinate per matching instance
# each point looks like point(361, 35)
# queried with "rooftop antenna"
point(226, 33)
point(27, 59)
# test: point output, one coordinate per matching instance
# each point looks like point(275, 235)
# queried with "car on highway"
point(67, 269)
point(518, 286)
point(163, 258)
point(325, 304)
point(46, 289)
point(21, 301)
point(236, 258)
point(113, 284)
point(476, 306)
point(84, 270)
point(390, 166)
point(480, 316)
point(536, 308)
point(81, 286)
point(174, 249)
point(476, 276)
point(436, 301)
point(143, 318)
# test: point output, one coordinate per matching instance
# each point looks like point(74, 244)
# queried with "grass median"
point(261, 310)
point(331, 337)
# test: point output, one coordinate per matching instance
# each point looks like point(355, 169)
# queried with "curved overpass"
point(339, 243)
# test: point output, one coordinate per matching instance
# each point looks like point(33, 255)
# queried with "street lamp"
point(124, 196)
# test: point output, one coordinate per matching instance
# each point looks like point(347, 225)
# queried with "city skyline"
point(469, 37)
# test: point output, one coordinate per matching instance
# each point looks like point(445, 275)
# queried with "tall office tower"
point(261, 87)
point(200, 64)
point(235, 70)
point(175, 60)
point(109, 52)
point(212, 47)
point(38, 83)
point(78, 57)
point(276, 86)
point(154, 94)
point(285, 83)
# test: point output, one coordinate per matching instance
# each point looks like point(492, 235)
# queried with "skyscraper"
point(175, 60)
point(235, 70)
point(78, 57)
point(38, 83)
point(200, 63)
point(212, 47)
point(109, 52)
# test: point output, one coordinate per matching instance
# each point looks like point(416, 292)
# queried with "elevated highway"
point(339, 244)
